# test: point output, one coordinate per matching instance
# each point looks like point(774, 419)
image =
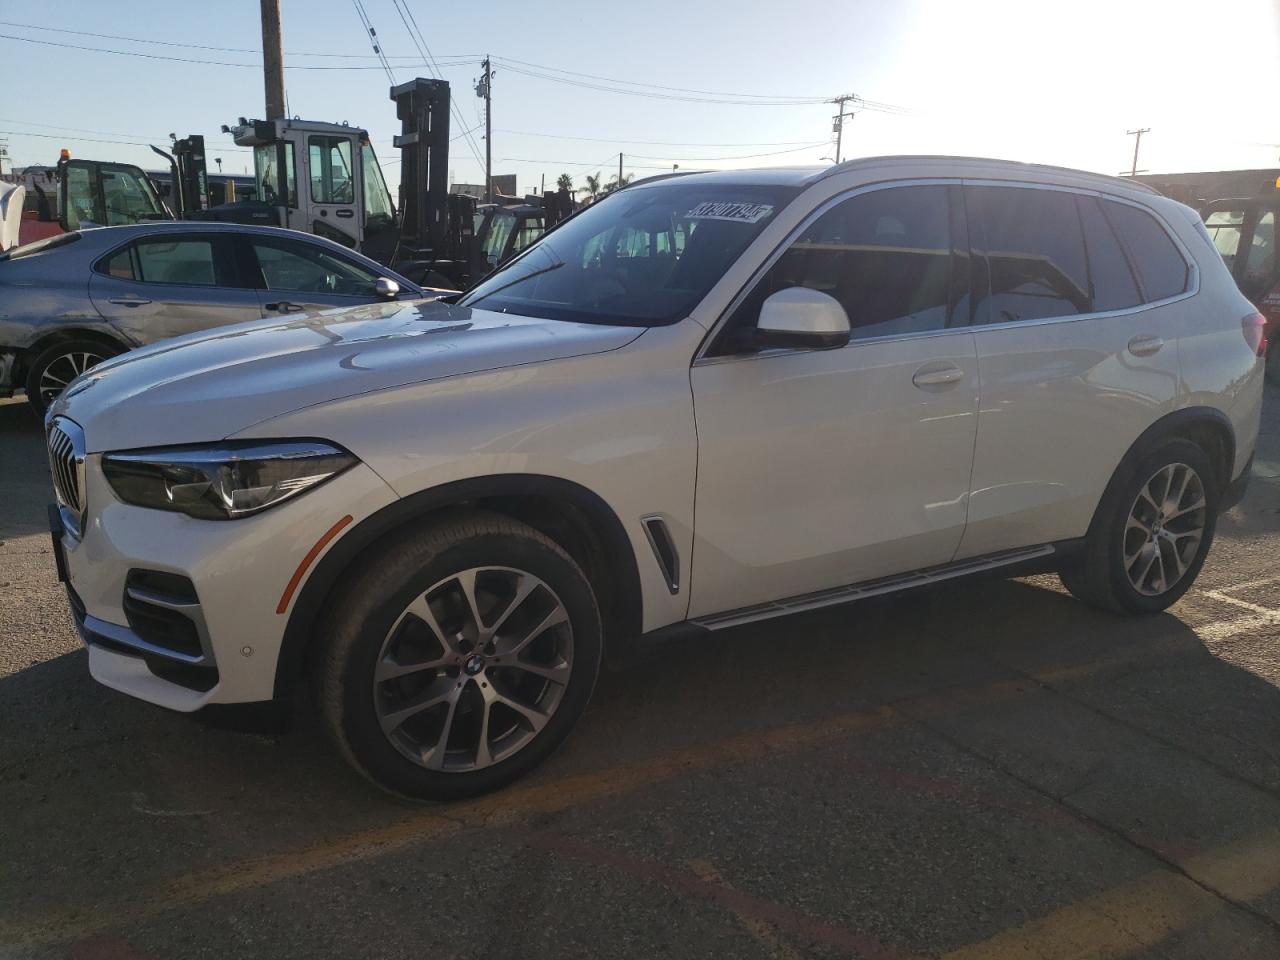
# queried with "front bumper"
point(183, 612)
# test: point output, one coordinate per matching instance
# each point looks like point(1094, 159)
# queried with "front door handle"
point(284, 306)
point(934, 376)
point(1145, 346)
point(129, 301)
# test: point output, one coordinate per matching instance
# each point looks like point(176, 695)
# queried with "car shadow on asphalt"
point(1153, 673)
point(23, 492)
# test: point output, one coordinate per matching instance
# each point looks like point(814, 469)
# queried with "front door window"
point(296, 267)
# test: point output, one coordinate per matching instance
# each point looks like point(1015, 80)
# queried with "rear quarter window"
point(1159, 264)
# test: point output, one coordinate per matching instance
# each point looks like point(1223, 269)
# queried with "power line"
point(201, 46)
point(211, 63)
point(420, 43)
point(655, 143)
point(573, 166)
point(128, 143)
point(373, 39)
point(656, 86)
point(743, 156)
point(655, 95)
point(454, 109)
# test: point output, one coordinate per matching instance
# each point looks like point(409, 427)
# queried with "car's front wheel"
point(56, 366)
point(459, 658)
point(1152, 533)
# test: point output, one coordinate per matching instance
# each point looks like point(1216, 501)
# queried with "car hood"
point(210, 385)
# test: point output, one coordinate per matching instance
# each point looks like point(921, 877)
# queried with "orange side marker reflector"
point(308, 560)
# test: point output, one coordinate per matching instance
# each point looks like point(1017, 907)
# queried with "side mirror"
point(386, 288)
point(803, 318)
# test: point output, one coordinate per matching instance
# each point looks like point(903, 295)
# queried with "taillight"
point(1254, 327)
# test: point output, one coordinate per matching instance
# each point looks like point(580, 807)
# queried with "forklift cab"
point(1244, 233)
point(321, 178)
point(93, 194)
point(503, 231)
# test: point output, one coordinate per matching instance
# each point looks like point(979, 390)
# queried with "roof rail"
point(1049, 168)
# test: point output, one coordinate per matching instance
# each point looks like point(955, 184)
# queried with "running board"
point(870, 588)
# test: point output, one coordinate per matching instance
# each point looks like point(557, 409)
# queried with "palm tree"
point(593, 188)
point(617, 183)
point(565, 182)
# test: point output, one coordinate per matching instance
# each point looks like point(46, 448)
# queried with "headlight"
point(223, 481)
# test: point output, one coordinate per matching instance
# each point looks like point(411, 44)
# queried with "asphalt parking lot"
point(986, 770)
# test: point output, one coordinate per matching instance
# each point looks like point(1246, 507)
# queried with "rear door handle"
point(1145, 346)
point(129, 301)
point(934, 376)
point(284, 306)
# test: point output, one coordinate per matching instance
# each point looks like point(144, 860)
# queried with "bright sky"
point(1051, 83)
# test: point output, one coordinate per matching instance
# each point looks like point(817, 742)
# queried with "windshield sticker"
point(728, 210)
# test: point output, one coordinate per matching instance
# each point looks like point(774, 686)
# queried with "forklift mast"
point(436, 229)
point(190, 176)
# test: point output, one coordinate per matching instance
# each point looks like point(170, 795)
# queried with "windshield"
point(496, 239)
point(378, 210)
point(644, 256)
point(271, 187)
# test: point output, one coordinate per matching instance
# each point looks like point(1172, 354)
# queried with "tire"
point(408, 608)
point(1138, 560)
point(63, 361)
point(1273, 364)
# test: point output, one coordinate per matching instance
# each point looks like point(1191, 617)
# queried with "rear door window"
point(1161, 270)
point(121, 264)
point(188, 261)
point(177, 261)
point(1113, 285)
point(1034, 249)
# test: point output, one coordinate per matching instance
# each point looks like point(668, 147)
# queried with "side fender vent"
point(664, 550)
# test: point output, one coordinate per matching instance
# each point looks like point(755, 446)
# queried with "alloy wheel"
point(473, 669)
point(62, 370)
point(1165, 527)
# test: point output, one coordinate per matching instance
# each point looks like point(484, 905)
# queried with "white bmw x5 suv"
point(707, 400)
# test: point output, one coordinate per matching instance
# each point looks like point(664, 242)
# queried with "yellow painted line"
point(1243, 871)
point(761, 931)
point(1240, 870)
point(508, 807)
point(1143, 912)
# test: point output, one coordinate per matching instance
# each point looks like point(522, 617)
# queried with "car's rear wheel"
point(61, 363)
point(1152, 533)
point(460, 658)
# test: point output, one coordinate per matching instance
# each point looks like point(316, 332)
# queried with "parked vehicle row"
point(69, 302)
point(865, 379)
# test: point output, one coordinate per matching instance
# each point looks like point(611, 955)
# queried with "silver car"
point(71, 301)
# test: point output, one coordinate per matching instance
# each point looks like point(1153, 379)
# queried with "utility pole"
point(485, 89)
point(1137, 135)
point(273, 59)
point(837, 122)
point(619, 171)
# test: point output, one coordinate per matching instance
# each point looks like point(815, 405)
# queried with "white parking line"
point(1260, 616)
